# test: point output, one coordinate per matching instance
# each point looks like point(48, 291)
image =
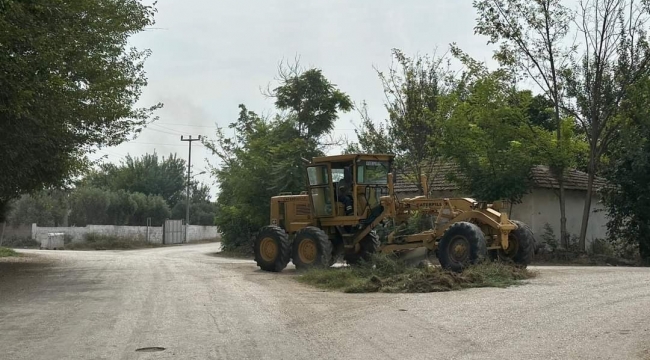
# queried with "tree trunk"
point(564, 236)
point(587, 209)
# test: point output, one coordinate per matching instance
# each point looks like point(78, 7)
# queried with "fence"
point(154, 234)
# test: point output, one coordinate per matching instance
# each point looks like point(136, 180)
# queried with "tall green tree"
point(416, 91)
point(488, 138)
point(89, 206)
point(148, 174)
point(69, 82)
point(533, 41)
point(45, 208)
point(614, 55)
point(265, 155)
point(628, 174)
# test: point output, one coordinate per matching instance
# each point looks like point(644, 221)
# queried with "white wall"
point(194, 233)
point(542, 206)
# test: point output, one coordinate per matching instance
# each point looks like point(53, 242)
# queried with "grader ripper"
point(350, 195)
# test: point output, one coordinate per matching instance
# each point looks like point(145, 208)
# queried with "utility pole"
point(189, 167)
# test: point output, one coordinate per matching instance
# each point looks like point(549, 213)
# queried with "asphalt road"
point(106, 305)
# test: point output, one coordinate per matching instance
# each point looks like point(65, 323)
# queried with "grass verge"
point(6, 252)
point(383, 274)
point(110, 242)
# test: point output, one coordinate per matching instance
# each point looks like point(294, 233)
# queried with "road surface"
point(108, 304)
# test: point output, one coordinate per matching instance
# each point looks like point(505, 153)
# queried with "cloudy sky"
point(211, 55)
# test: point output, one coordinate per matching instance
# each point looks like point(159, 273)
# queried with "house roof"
point(541, 176)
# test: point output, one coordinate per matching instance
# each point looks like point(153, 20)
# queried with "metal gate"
point(173, 232)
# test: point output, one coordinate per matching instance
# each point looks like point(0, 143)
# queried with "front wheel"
point(463, 244)
point(272, 249)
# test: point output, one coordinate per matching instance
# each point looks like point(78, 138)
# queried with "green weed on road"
point(6, 252)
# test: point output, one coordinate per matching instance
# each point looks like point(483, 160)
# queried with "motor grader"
point(350, 195)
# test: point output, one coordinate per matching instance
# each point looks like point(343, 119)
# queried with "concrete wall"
point(16, 231)
point(542, 206)
point(194, 233)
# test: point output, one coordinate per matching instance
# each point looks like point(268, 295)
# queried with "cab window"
point(373, 172)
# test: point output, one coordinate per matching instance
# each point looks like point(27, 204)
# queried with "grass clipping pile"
point(385, 274)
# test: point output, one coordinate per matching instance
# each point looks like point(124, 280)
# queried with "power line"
point(150, 143)
point(215, 127)
point(164, 132)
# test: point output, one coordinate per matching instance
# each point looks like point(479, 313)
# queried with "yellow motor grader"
point(350, 195)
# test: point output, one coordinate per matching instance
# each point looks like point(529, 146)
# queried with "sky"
point(209, 56)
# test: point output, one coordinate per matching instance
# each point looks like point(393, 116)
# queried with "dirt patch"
point(23, 262)
point(384, 274)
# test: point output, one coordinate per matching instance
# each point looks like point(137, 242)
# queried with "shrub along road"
point(108, 304)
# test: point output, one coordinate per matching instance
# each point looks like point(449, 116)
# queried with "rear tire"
point(463, 244)
point(312, 248)
point(521, 245)
point(272, 249)
point(369, 245)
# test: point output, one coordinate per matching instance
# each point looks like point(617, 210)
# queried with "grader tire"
point(272, 249)
point(521, 245)
point(311, 248)
point(369, 245)
point(463, 244)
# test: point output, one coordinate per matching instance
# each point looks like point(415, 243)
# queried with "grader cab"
point(350, 195)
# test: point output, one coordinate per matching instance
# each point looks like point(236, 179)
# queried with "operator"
point(345, 192)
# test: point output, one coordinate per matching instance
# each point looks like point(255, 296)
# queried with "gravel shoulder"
point(108, 304)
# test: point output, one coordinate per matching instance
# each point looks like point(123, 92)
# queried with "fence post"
point(148, 225)
point(164, 228)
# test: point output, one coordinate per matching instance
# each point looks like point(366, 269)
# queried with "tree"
point(121, 208)
point(148, 174)
point(613, 57)
point(627, 197)
point(68, 83)
point(45, 208)
point(202, 210)
point(532, 36)
point(488, 137)
point(149, 206)
point(416, 91)
point(89, 206)
point(265, 156)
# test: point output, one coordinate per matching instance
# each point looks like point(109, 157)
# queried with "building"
point(539, 207)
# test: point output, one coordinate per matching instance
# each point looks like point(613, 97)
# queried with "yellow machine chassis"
point(446, 211)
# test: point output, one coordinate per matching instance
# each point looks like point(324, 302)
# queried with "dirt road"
point(106, 305)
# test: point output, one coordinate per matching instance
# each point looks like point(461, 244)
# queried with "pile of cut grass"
point(385, 274)
point(110, 242)
point(6, 252)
